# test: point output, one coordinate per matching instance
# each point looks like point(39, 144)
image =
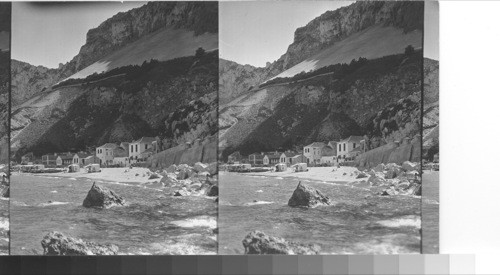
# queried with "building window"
point(354, 145)
point(340, 147)
point(136, 148)
point(146, 146)
point(344, 146)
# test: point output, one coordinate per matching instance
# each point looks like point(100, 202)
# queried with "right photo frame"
point(328, 127)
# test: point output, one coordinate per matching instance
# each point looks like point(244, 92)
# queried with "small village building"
point(64, 160)
point(313, 152)
point(299, 159)
point(256, 159)
point(79, 158)
point(287, 157)
point(91, 160)
point(273, 159)
point(347, 145)
point(120, 155)
point(137, 147)
point(105, 153)
point(49, 159)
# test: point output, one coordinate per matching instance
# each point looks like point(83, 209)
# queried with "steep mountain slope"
point(380, 98)
point(142, 76)
point(431, 107)
point(4, 106)
point(190, 19)
point(175, 100)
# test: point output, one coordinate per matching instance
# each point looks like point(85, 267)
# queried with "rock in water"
point(307, 196)
point(5, 192)
point(102, 197)
point(56, 243)
point(213, 191)
point(257, 242)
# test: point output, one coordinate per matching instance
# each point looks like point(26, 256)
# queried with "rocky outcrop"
point(126, 27)
point(103, 197)
point(212, 191)
point(257, 242)
point(333, 26)
point(307, 196)
point(57, 244)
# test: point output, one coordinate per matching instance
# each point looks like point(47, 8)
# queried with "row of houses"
point(316, 153)
point(108, 154)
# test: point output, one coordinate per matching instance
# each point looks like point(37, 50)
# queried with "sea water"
point(152, 222)
point(358, 221)
point(430, 212)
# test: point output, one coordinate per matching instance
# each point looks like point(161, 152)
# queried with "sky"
point(258, 32)
point(51, 33)
point(431, 30)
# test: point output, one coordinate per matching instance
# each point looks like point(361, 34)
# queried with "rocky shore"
point(56, 243)
point(257, 242)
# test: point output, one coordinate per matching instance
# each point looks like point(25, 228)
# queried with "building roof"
point(273, 156)
point(91, 156)
point(144, 140)
point(83, 155)
point(50, 157)
point(109, 145)
point(257, 155)
point(316, 144)
point(289, 154)
point(65, 157)
point(149, 150)
point(353, 139)
point(298, 156)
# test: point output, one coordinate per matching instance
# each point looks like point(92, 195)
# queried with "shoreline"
point(316, 174)
point(137, 175)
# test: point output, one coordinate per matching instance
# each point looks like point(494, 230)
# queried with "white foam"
point(54, 203)
point(258, 203)
point(279, 178)
point(259, 191)
point(4, 223)
point(406, 221)
point(72, 178)
point(201, 221)
point(54, 191)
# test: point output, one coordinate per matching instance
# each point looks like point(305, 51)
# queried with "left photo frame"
point(5, 23)
point(113, 128)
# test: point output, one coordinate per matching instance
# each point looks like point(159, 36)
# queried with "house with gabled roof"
point(313, 152)
point(347, 145)
point(137, 147)
point(287, 157)
point(105, 153)
point(271, 158)
point(256, 159)
point(49, 159)
point(64, 160)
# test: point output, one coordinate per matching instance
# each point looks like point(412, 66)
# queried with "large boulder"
point(392, 171)
point(212, 168)
point(171, 169)
point(56, 243)
point(308, 197)
point(377, 179)
point(181, 193)
point(257, 242)
point(200, 167)
point(5, 192)
point(99, 196)
point(212, 191)
point(169, 180)
point(379, 168)
point(410, 166)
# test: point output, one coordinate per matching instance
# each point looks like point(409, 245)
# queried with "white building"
point(105, 153)
point(313, 152)
point(347, 145)
point(139, 146)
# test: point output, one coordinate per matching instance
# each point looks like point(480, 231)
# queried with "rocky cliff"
point(4, 106)
point(431, 108)
point(334, 26)
point(28, 80)
point(127, 27)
